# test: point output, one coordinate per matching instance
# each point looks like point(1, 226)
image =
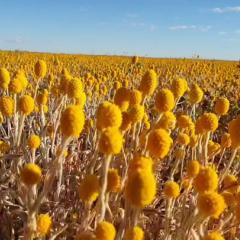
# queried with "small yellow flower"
point(40, 69)
point(206, 180)
point(183, 139)
point(7, 106)
point(34, 141)
point(136, 113)
point(89, 189)
point(134, 233)
point(31, 174)
point(171, 189)
point(44, 223)
point(164, 100)
point(159, 143)
point(140, 188)
point(105, 231)
point(72, 121)
point(140, 162)
point(26, 104)
point(4, 78)
point(149, 83)
point(193, 168)
point(211, 204)
point(221, 106)
point(108, 115)
point(209, 122)
point(213, 236)
point(111, 141)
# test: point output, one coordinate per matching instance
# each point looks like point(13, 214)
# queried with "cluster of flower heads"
point(140, 148)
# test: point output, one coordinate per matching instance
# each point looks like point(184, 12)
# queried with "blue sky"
point(158, 28)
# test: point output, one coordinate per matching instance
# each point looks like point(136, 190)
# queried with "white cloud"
point(190, 27)
point(227, 10)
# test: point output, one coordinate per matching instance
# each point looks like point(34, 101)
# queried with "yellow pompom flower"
point(209, 122)
point(105, 231)
point(114, 181)
point(121, 98)
point(15, 86)
point(81, 100)
point(20, 75)
point(179, 87)
point(136, 113)
point(159, 143)
point(213, 236)
point(221, 106)
point(226, 140)
point(184, 122)
point(134, 233)
point(26, 104)
point(34, 141)
point(167, 121)
point(108, 115)
point(4, 78)
point(140, 188)
point(31, 174)
point(206, 180)
point(44, 223)
point(164, 100)
point(211, 204)
point(140, 162)
point(89, 189)
point(40, 69)
point(183, 139)
point(135, 97)
point(72, 121)
point(7, 106)
point(193, 168)
point(195, 94)
point(75, 88)
point(148, 83)
point(171, 189)
point(234, 131)
point(111, 141)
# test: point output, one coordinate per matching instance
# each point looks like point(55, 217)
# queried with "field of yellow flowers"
point(104, 148)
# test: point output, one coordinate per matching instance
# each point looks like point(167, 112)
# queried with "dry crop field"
point(104, 148)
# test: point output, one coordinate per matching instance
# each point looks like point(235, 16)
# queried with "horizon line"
point(118, 55)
